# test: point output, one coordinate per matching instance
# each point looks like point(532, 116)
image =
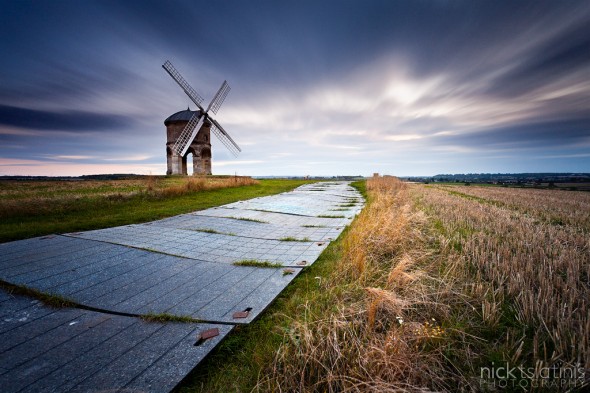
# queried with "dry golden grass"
point(193, 184)
point(382, 307)
point(432, 286)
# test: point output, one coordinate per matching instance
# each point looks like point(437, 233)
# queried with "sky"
point(318, 88)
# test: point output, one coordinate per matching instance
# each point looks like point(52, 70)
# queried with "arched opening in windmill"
point(189, 161)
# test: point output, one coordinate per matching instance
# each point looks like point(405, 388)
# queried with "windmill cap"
point(184, 115)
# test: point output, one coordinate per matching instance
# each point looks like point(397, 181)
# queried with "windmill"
point(194, 137)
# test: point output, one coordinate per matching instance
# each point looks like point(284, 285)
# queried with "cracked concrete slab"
point(210, 247)
point(302, 203)
point(229, 226)
point(46, 349)
point(277, 218)
point(125, 280)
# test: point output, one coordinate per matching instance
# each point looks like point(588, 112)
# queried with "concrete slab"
point(210, 247)
point(296, 207)
point(248, 228)
point(276, 218)
point(62, 350)
point(303, 203)
point(139, 282)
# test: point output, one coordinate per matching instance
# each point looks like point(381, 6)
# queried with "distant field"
point(35, 208)
point(430, 289)
point(539, 186)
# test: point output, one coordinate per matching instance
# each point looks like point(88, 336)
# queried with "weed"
point(207, 230)
point(164, 317)
point(48, 299)
point(255, 263)
point(294, 239)
point(249, 219)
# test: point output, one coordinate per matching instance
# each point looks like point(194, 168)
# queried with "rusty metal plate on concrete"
point(240, 314)
point(209, 333)
point(45, 349)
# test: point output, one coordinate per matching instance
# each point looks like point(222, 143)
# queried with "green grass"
point(329, 216)
point(163, 317)
point(248, 219)
point(207, 230)
point(86, 209)
point(236, 364)
point(294, 239)
point(361, 186)
point(313, 226)
point(48, 299)
point(255, 263)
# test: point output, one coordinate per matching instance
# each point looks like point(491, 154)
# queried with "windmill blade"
point(225, 138)
point(193, 95)
point(216, 102)
point(188, 134)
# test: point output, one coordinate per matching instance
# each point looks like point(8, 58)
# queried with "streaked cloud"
point(317, 88)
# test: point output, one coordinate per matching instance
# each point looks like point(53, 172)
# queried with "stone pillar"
point(184, 169)
point(207, 166)
point(176, 167)
point(198, 165)
point(206, 159)
point(168, 161)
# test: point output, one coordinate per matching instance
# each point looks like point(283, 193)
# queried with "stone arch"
point(190, 160)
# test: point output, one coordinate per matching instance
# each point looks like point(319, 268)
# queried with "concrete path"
point(183, 266)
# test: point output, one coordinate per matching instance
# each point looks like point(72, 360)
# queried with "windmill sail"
point(188, 89)
point(224, 137)
point(188, 134)
point(219, 98)
point(192, 128)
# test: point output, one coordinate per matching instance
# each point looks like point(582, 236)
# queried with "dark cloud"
point(63, 121)
point(559, 56)
point(557, 134)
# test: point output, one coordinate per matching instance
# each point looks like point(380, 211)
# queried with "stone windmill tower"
point(190, 131)
point(200, 147)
